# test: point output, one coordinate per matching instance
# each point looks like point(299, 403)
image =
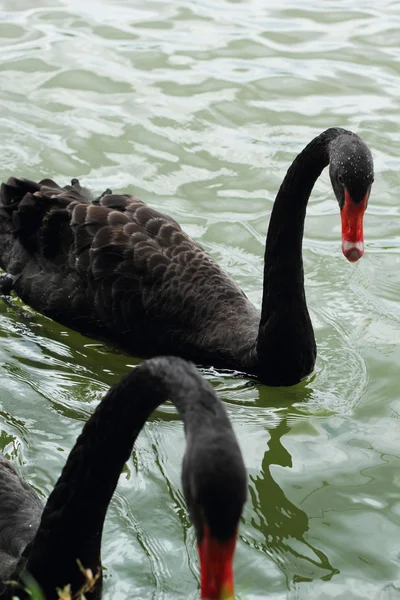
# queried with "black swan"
point(117, 269)
point(46, 543)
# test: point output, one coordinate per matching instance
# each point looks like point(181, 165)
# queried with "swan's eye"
point(340, 179)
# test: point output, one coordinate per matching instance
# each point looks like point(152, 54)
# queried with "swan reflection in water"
point(283, 525)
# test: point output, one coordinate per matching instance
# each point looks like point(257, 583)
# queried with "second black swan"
point(117, 269)
point(46, 543)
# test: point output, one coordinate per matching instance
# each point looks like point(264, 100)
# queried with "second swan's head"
point(215, 487)
point(351, 170)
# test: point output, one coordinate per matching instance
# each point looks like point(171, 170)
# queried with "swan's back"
point(113, 266)
point(20, 513)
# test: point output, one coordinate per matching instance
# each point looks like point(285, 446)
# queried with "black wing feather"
point(115, 266)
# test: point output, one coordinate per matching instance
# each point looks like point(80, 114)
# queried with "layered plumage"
point(118, 269)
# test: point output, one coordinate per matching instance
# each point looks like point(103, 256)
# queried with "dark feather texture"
point(20, 512)
point(118, 269)
point(47, 544)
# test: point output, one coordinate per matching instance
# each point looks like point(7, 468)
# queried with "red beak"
point(216, 559)
point(352, 215)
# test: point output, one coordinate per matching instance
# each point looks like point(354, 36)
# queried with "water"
point(199, 107)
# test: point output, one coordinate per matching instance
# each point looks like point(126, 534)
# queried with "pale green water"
point(198, 107)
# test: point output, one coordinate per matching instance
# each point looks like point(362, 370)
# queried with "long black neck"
point(72, 521)
point(286, 346)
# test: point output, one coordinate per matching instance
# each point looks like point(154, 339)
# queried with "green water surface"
point(198, 107)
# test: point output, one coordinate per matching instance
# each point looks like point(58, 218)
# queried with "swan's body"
point(117, 269)
point(46, 543)
point(20, 512)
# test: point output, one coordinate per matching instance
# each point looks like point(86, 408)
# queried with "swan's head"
point(351, 170)
point(215, 487)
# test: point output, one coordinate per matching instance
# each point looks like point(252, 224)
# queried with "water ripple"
point(199, 106)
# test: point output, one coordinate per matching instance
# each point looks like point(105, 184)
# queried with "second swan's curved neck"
point(284, 302)
point(72, 521)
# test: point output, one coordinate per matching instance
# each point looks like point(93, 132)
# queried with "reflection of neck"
point(279, 520)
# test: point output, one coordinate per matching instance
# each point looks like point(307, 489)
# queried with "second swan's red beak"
point(352, 215)
point(216, 558)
